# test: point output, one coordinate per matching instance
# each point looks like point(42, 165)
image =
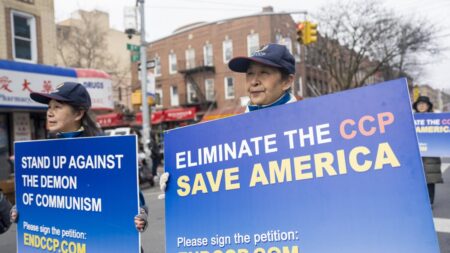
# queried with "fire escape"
point(193, 74)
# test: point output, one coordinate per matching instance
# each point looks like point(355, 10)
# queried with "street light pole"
point(145, 108)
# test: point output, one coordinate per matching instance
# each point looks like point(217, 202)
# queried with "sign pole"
point(145, 108)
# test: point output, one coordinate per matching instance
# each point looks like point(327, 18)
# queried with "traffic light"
point(301, 33)
point(310, 33)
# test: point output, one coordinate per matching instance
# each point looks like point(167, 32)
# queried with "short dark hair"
point(284, 74)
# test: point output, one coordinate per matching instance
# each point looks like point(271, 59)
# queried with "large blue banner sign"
point(77, 195)
point(338, 173)
point(433, 132)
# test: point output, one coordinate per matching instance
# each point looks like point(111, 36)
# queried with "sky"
point(163, 17)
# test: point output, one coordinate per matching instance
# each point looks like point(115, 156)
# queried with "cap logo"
point(261, 52)
point(57, 88)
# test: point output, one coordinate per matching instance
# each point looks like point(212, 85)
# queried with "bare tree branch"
point(361, 39)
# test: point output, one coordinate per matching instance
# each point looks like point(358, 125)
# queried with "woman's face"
point(62, 117)
point(422, 107)
point(264, 84)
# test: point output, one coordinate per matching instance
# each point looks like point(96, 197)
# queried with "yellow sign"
point(416, 93)
point(136, 98)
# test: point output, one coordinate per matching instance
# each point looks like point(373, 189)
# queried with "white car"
point(120, 131)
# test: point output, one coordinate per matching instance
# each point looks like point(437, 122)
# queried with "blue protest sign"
point(338, 173)
point(433, 132)
point(77, 195)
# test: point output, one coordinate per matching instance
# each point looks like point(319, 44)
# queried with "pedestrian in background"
point(432, 165)
point(5, 208)
point(68, 116)
point(155, 155)
point(269, 75)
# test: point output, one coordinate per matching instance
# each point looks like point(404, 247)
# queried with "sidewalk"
point(441, 208)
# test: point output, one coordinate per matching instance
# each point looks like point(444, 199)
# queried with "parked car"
point(120, 131)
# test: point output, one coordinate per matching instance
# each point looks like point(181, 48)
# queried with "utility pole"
point(145, 108)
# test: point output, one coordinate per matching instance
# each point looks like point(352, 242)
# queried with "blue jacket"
point(285, 99)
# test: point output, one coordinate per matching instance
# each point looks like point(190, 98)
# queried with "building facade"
point(113, 56)
point(191, 64)
point(28, 25)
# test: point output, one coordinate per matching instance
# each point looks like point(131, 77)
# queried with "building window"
point(159, 97)
point(298, 57)
point(27, 1)
point(174, 101)
point(209, 89)
point(190, 58)
point(287, 41)
point(227, 50)
point(229, 88)
point(252, 43)
point(191, 94)
point(208, 59)
point(299, 87)
point(278, 38)
point(157, 66)
point(172, 63)
point(23, 27)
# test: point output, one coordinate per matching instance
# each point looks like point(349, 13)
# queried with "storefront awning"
point(19, 79)
point(157, 117)
point(220, 113)
point(168, 115)
point(110, 120)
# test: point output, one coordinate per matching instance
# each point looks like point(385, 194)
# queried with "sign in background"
point(338, 173)
point(433, 132)
point(18, 79)
point(22, 130)
point(77, 195)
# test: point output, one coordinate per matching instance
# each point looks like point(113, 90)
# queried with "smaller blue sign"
point(433, 132)
point(77, 195)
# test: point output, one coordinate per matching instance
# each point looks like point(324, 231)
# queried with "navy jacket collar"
point(281, 101)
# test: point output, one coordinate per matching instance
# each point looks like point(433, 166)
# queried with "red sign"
point(110, 120)
point(178, 114)
point(157, 117)
point(4, 83)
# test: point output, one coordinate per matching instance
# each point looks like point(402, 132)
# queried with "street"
point(153, 239)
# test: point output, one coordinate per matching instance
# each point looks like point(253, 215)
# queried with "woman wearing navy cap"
point(269, 74)
point(68, 116)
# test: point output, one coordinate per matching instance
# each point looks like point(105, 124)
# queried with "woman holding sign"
point(68, 116)
point(269, 74)
point(432, 165)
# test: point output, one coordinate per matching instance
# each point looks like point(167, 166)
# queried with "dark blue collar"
point(281, 101)
point(70, 134)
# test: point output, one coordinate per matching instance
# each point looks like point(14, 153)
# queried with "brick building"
point(191, 64)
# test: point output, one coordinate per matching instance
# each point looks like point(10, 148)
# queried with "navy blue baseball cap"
point(273, 55)
point(68, 92)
